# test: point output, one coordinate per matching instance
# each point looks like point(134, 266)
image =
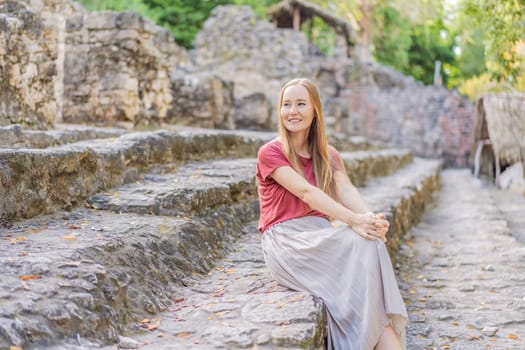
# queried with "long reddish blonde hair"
point(317, 142)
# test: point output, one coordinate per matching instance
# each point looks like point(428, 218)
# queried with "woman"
point(302, 183)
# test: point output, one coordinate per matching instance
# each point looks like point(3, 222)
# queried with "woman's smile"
point(297, 111)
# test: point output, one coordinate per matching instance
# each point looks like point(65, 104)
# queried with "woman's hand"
point(371, 226)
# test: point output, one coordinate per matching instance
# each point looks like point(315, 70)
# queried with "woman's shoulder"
point(273, 146)
point(332, 150)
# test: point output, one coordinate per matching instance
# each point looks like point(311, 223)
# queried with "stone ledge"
point(15, 136)
point(364, 165)
point(191, 189)
point(35, 181)
point(195, 187)
point(238, 305)
point(90, 273)
point(203, 315)
point(403, 197)
point(107, 270)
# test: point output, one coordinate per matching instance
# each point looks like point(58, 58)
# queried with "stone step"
point(364, 165)
point(403, 196)
point(14, 136)
point(238, 305)
point(92, 272)
point(191, 189)
point(108, 269)
point(197, 187)
point(40, 181)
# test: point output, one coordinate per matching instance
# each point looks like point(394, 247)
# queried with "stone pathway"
point(463, 273)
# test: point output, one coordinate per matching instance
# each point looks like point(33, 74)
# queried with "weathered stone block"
point(201, 100)
point(26, 68)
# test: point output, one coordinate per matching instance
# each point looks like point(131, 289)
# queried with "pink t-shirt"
point(277, 204)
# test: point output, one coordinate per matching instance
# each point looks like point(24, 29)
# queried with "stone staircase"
point(148, 239)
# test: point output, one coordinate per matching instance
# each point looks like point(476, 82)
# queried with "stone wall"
point(391, 108)
point(203, 100)
point(251, 52)
point(255, 56)
point(118, 67)
point(28, 54)
point(61, 63)
point(360, 99)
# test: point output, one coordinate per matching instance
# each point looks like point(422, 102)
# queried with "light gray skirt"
point(353, 276)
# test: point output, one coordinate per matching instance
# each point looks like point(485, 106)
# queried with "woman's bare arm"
point(364, 225)
point(348, 195)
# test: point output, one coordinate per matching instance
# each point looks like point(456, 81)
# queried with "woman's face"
point(297, 111)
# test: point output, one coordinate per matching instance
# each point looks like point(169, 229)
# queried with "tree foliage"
point(184, 18)
point(260, 7)
point(392, 38)
point(504, 23)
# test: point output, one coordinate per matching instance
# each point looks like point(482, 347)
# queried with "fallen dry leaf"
point(29, 277)
point(297, 298)
point(218, 293)
point(69, 238)
point(70, 264)
point(513, 336)
point(17, 240)
point(184, 335)
point(221, 313)
point(73, 226)
point(15, 348)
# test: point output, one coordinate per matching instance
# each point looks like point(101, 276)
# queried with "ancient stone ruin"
point(118, 237)
point(360, 98)
point(61, 63)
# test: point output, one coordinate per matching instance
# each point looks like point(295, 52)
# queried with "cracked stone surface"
point(462, 271)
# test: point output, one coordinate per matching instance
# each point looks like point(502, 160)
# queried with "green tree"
point(118, 5)
point(260, 7)
point(184, 18)
point(430, 43)
point(392, 38)
point(504, 21)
